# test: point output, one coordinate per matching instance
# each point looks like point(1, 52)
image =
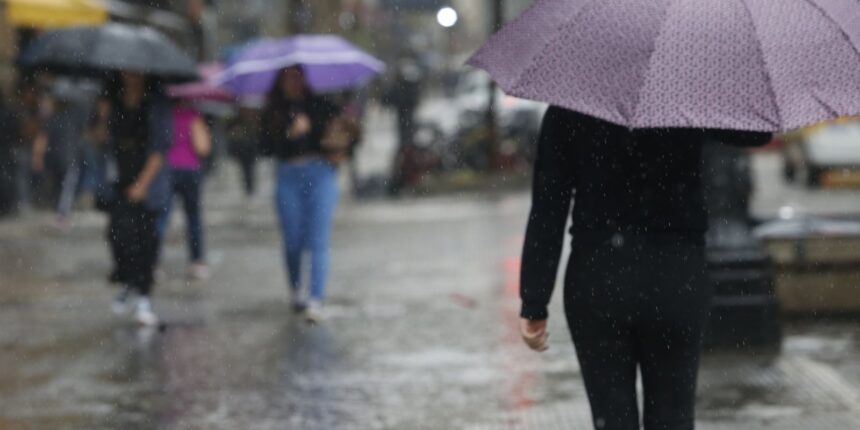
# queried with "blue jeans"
point(306, 199)
point(187, 185)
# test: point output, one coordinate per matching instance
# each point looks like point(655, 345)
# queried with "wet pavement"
point(421, 334)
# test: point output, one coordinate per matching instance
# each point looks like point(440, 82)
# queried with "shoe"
point(299, 306)
point(314, 312)
point(120, 303)
point(199, 272)
point(143, 313)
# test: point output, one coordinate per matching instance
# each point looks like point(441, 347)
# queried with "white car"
point(471, 97)
point(825, 156)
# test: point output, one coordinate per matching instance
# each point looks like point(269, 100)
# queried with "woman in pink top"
point(191, 143)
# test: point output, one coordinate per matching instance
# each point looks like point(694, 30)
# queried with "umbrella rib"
point(855, 44)
point(634, 115)
point(767, 74)
point(517, 83)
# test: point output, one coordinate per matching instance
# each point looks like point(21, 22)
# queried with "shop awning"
point(51, 14)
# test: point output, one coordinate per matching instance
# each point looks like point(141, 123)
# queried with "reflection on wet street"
point(421, 335)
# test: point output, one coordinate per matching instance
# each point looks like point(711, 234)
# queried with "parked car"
point(826, 155)
point(513, 114)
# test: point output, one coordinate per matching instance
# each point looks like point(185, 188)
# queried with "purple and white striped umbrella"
point(758, 65)
point(329, 62)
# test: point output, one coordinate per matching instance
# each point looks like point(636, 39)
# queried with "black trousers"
point(134, 243)
point(638, 301)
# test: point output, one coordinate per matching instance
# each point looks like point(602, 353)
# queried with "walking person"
point(295, 122)
point(191, 144)
point(635, 291)
point(140, 135)
point(242, 134)
point(64, 132)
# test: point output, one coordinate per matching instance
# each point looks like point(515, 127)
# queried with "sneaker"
point(199, 272)
point(120, 303)
point(314, 312)
point(143, 313)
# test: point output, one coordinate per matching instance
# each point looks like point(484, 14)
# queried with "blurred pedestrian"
point(295, 122)
point(635, 291)
point(404, 95)
point(29, 119)
point(97, 153)
point(140, 135)
point(9, 140)
point(62, 149)
point(243, 136)
point(192, 143)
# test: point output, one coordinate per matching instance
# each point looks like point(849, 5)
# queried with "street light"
point(447, 17)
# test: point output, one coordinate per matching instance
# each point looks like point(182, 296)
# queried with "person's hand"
point(136, 193)
point(534, 334)
point(301, 126)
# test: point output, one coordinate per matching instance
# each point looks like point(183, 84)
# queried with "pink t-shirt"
point(182, 155)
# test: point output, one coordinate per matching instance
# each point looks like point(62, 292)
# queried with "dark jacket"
point(278, 119)
point(639, 182)
point(157, 132)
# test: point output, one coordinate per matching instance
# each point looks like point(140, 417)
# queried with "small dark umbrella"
point(112, 47)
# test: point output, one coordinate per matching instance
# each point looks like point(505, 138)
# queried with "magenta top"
point(182, 155)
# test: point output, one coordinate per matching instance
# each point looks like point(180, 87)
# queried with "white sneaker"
point(143, 313)
point(120, 306)
point(314, 312)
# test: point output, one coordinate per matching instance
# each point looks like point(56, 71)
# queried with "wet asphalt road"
point(421, 335)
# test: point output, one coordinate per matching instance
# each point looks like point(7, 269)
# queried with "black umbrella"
point(112, 47)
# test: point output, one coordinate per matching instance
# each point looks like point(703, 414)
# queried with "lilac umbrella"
point(330, 64)
point(730, 64)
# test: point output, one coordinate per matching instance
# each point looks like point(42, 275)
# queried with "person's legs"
point(142, 265)
point(143, 248)
point(323, 193)
point(598, 305)
point(68, 189)
point(118, 233)
point(188, 184)
point(163, 221)
point(23, 178)
point(670, 333)
point(248, 164)
point(289, 203)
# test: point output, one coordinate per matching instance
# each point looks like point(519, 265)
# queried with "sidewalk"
point(422, 335)
point(422, 331)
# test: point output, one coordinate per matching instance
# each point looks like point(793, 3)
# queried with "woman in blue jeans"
point(295, 122)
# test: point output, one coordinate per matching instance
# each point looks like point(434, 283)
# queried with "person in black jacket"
point(140, 133)
point(635, 291)
point(294, 124)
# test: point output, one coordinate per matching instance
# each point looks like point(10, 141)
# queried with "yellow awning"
point(51, 14)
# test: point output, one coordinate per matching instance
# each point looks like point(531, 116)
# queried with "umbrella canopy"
point(113, 47)
point(51, 14)
point(204, 89)
point(330, 64)
point(740, 64)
